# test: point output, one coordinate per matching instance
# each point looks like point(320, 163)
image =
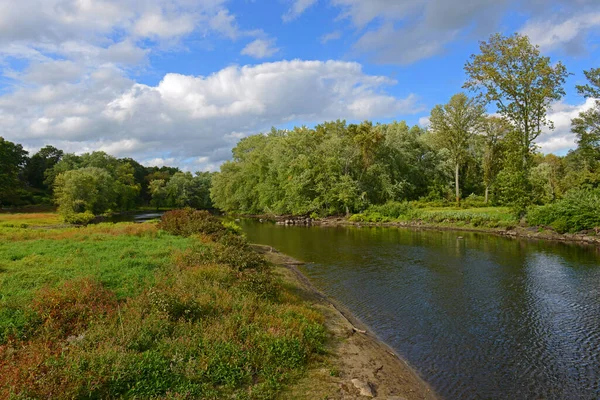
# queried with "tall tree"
point(12, 160)
point(454, 125)
point(587, 125)
point(39, 163)
point(494, 132)
point(511, 73)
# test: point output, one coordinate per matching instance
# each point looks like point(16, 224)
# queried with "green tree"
point(158, 192)
point(494, 132)
point(587, 125)
point(84, 193)
point(12, 161)
point(454, 125)
point(39, 163)
point(511, 73)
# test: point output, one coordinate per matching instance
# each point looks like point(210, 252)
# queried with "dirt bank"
point(355, 359)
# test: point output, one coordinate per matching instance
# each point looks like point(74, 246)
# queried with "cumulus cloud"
point(561, 139)
point(260, 48)
point(194, 120)
point(568, 33)
point(61, 39)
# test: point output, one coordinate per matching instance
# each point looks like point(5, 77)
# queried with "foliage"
point(511, 73)
point(578, 210)
point(454, 125)
point(182, 190)
point(494, 132)
point(334, 168)
point(84, 193)
point(12, 159)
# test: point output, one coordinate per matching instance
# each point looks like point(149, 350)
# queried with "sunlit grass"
point(25, 220)
point(130, 311)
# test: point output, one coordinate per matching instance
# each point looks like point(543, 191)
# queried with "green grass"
point(131, 311)
point(490, 217)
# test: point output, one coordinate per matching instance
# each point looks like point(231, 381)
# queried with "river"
point(478, 316)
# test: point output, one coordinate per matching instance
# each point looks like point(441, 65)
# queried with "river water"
point(478, 316)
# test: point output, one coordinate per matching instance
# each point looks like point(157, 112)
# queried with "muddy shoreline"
point(357, 360)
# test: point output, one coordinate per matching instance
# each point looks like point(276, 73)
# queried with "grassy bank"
point(487, 217)
point(181, 310)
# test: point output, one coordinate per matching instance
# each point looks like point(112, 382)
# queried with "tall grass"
point(149, 315)
point(492, 217)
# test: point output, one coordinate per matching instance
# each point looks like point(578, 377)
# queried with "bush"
point(384, 213)
point(579, 210)
point(189, 222)
point(69, 308)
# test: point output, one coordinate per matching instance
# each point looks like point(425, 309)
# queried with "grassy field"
point(133, 311)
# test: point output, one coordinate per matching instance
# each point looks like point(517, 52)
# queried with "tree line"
point(337, 168)
point(91, 184)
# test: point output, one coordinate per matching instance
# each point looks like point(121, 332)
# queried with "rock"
point(364, 388)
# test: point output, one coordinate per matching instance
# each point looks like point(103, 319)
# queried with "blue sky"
point(178, 82)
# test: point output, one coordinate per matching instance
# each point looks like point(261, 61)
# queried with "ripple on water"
point(480, 318)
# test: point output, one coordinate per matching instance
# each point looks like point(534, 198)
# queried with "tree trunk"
point(487, 190)
point(456, 184)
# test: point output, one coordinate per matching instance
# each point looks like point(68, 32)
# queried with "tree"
point(587, 125)
point(511, 73)
point(494, 132)
point(158, 192)
point(84, 193)
point(39, 163)
point(454, 125)
point(12, 160)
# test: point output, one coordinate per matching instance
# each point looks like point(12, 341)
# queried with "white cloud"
point(335, 35)
point(552, 33)
point(561, 138)
point(403, 32)
point(297, 9)
point(424, 122)
point(194, 120)
point(260, 48)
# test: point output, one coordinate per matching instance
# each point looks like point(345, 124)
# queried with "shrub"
point(69, 308)
point(578, 210)
point(188, 222)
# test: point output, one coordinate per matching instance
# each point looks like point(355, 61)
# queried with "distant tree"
point(126, 188)
point(158, 192)
point(36, 167)
point(12, 160)
point(454, 125)
point(187, 190)
point(84, 193)
point(494, 132)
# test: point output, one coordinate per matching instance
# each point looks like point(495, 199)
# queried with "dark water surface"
point(482, 317)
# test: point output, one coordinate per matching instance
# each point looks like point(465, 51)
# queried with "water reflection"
point(479, 316)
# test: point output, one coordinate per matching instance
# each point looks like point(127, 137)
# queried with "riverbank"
point(510, 231)
point(526, 232)
point(356, 361)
